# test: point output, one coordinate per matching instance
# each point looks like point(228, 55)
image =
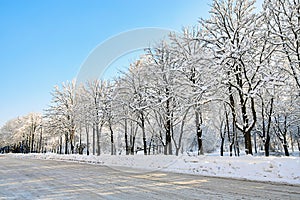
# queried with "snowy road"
point(47, 179)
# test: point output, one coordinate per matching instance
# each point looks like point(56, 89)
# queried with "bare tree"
point(62, 112)
point(284, 22)
point(95, 91)
point(230, 34)
point(133, 96)
point(195, 79)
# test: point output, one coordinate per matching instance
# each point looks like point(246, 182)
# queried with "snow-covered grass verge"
point(271, 169)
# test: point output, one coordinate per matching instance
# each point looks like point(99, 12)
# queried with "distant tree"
point(84, 113)
point(284, 115)
point(21, 133)
point(110, 113)
point(162, 71)
point(62, 112)
point(12, 132)
point(96, 98)
point(194, 81)
point(33, 123)
point(133, 97)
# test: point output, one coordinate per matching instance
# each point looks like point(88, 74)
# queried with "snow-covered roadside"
point(273, 169)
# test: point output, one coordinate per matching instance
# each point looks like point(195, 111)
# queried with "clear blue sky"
point(44, 42)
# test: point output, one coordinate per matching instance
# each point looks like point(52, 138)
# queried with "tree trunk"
point(292, 141)
point(267, 142)
point(165, 148)
point(222, 146)
point(66, 143)
point(255, 145)
point(227, 128)
point(72, 140)
point(111, 140)
point(286, 151)
point(60, 145)
point(80, 148)
point(32, 142)
point(248, 144)
point(126, 138)
point(132, 145)
point(199, 132)
point(233, 113)
point(94, 139)
point(237, 147)
point(267, 145)
point(168, 126)
point(199, 137)
point(87, 140)
point(98, 138)
point(144, 133)
point(298, 140)
point(133, 131)
point(177, 151)
point(181, 133)
point(285, 147)
point(40, 142)
point(149, 148)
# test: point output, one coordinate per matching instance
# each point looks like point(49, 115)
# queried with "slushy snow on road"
point(270, 169)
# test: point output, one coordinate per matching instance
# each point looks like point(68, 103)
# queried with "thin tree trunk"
point(144, 133)
point(267, 145)
point(41, 138)
point(181, 133)
point(268, 138)
point(285, 144)
point(87, 140)
point(228, 132)
point(94, 139)
point(222, 147)
point(132, 145)
point(222, 140)
point(66, 143)
point(292, 141)
point(237, 147)
point(98, 138)
point(255, 145)
point(168, 145)
point(199, 132)
point(285, 147)
point(298, 140)
point(72, 140)
point(60, 145)
point(111, 139)
point(32, 142)
point(149, 148)
point(234, 133)
point(126, 138)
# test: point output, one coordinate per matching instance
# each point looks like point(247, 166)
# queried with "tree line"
point(231, 82)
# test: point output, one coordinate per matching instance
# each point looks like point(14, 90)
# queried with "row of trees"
point(23, 134)
point(231, 83)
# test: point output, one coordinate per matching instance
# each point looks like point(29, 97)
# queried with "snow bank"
point(271, 169)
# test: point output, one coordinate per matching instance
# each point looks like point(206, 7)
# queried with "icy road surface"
point(48, 179)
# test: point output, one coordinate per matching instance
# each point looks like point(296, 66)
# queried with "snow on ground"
point(271, 169)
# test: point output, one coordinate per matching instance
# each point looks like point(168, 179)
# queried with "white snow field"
point(271, 169)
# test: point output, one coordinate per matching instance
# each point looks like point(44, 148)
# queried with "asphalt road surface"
point(47, 179)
